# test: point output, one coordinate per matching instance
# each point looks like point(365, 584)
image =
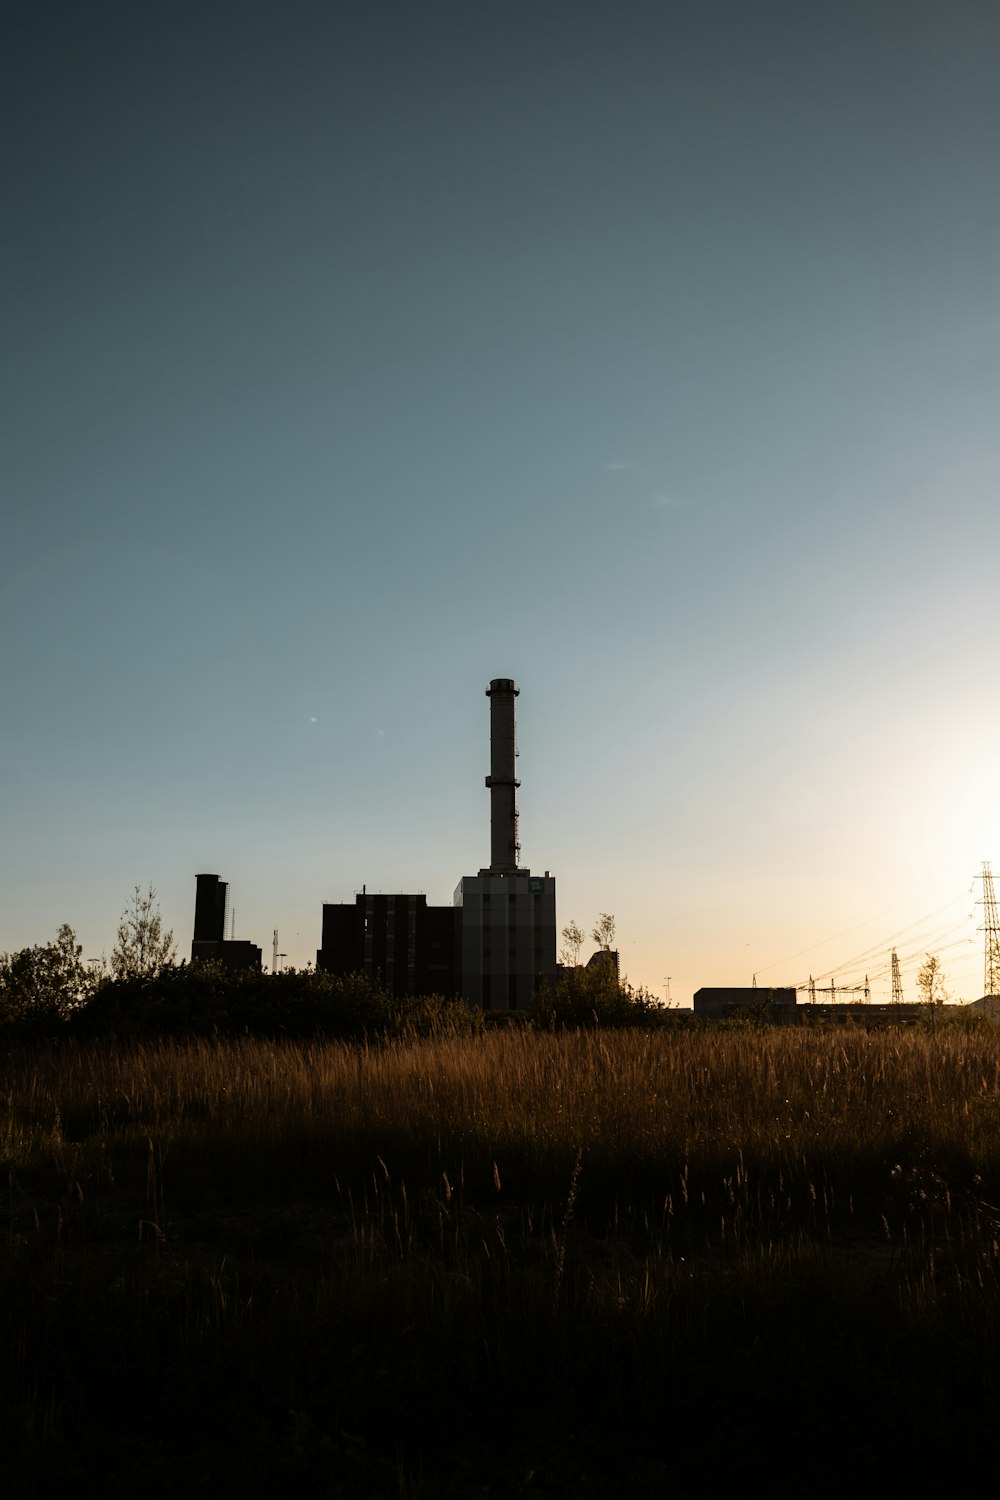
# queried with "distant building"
point(495, 945)
point(210, 944)
point(507, 915)
point(508, 936)
point(717, 1004)
point(397, 941)
point(608, 959)
point(779, 1007)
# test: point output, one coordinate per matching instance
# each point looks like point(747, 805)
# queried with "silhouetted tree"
point(930, 983)
point(142, 948)
point(604, 932)
point(573, 937)
point(44, 983)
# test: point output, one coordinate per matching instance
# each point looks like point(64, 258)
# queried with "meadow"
point(591, 1263)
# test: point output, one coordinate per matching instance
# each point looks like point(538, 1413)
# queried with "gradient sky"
point(648, 353)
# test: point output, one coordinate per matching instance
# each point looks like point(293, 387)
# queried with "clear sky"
point(648, 353)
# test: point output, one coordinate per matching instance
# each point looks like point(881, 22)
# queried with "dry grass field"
point(601, 1263)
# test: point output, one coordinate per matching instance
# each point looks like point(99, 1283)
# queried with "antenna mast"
point(991, 928)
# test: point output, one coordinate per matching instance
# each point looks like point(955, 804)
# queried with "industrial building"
point(720, 1004)
point(507, 916)
point(780, 1007)
point(495, 945)
point(409, 947)
point(210, 943)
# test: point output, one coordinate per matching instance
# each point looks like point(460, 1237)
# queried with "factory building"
point(507, 922)
point(495, 945)
point(210, 944)
point(508, 915)
point(720, 1004)
point(409, 947)
point(779, 1007)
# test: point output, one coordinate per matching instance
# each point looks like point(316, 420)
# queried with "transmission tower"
point(897, 983)
point(991, 927)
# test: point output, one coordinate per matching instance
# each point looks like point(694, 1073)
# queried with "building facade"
point(507, 927)
point(209, 944)
point(397, 941)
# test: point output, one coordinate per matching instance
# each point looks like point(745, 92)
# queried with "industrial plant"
point(495, 945)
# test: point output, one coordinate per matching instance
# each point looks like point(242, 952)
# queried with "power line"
point(920, 938)
point(763, 968)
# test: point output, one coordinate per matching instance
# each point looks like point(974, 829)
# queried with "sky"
point(647, 353)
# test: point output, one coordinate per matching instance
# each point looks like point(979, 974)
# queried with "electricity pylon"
point(991, 927)
point(897, 983)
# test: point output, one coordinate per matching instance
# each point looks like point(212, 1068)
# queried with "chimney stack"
point(503, 783)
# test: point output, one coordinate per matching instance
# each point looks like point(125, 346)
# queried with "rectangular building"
point(507, 928)
point(210, 944)
point(718, 1004)
point(397, 941)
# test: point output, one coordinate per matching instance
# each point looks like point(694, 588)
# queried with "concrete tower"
point(507, 927)
point(502, 781)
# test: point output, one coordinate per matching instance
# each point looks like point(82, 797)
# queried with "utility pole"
point(897, 983)
point(991, 929)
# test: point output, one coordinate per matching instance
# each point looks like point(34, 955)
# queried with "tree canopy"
point(46, 982)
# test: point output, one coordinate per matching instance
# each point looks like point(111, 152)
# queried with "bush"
point(203, 999)
point(41, 987)
point(582, 998)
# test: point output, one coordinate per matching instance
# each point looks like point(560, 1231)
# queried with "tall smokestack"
point(209, 909)
point(502, 782)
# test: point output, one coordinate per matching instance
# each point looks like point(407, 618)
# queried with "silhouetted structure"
point(397, 940)
point(780, 1008)
point(717, 1004)
point(209, 944)
point(505, 848)
point(508, 936)
point(495, 945)
point(508, 915)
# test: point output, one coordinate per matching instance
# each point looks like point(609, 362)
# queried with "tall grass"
point(396, 1269)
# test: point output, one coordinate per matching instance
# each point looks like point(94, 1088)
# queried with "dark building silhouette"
point(779, 1007)
point(495, 945)
point(508, 935)
point(209, 944)
point(608, 959)
point(396, 940)
point(507, 915)
point(717, 1004)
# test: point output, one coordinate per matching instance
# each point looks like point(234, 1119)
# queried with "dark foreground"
point(512, 1264)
